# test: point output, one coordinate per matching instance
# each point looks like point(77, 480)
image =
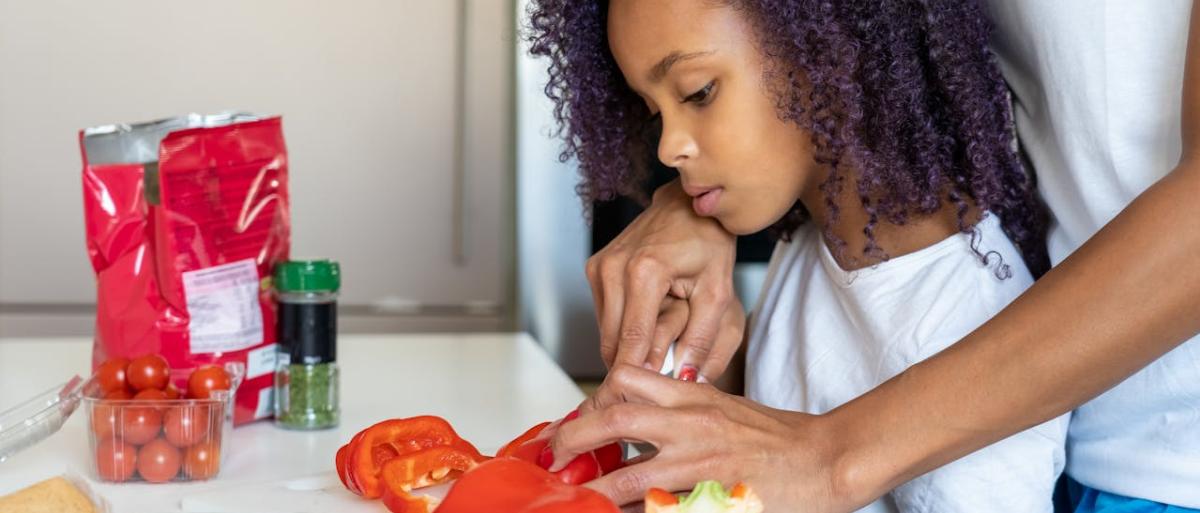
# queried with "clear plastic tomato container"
point(161, 440)
point(32, 421)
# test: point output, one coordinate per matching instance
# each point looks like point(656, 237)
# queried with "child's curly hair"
point(906, 92)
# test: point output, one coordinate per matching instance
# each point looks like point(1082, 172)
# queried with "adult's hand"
point(667, 255)
point(701, 433)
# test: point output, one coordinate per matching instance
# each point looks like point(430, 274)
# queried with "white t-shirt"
point(821, 336)
point(1097, 88)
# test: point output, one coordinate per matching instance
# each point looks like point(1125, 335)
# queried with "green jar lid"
point(308, 276)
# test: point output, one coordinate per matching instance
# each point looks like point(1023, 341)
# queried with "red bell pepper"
point(342, 463)
point(339, 462)
point(611, 458)
point(512, 446)
point(582, 469)
point(509, 485)
point(427, 467)
point(376, 445)
point(405, 503)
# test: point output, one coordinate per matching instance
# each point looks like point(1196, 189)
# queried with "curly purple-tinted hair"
point(906, 92)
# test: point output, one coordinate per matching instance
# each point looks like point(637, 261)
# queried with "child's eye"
point(702, 96)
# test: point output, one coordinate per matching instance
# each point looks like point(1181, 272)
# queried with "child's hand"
point(668, 275)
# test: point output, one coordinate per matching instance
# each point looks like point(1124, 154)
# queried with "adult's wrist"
point(859, 468)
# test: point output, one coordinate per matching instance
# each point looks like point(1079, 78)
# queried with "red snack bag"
point(185, 220)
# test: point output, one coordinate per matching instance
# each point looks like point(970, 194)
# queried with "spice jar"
point(306, 376)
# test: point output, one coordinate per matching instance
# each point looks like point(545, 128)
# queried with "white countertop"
point(491, 387)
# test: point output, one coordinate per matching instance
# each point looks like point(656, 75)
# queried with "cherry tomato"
point(172, 392)
point(202, 460)
point(155, 395)
point(139, 424)
point(206, 379)
point(150, 394)
point(158, 461)
point(118, 395)
point(187, 425)
point(110, 375)
point(104, 419)
point(104, 413)
point(115, 461)
point(148, 371)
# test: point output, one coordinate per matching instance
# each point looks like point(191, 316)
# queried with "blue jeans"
point(1089, 500)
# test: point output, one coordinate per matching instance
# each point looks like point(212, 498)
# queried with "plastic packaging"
point(32, 421)
point(185, 219)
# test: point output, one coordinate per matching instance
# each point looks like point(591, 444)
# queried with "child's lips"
point(705, 204)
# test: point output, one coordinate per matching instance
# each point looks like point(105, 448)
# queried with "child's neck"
point(895, 240)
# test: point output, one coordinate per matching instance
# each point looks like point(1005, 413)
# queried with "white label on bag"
point(222, 302)
point(261, 361)
point(266, 403)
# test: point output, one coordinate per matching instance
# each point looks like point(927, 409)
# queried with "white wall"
point(366, 88)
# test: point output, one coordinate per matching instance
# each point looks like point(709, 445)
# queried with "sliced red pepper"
point(339, 462)
point(391, 438)
point(426, 467)
point(530, 451)
point(402, 474)
point(342, 461)
point(509, 485)
point(582, 469)
point(406, 503)
point(611, 458)
point(528, 435)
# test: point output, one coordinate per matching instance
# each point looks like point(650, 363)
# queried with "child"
point(876, 137)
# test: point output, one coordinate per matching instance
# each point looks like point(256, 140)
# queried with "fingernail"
point(647, 366)
point(546, 458)
point(571, 416)
point(689, 373)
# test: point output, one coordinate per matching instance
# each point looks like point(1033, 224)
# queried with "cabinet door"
point(399, 144)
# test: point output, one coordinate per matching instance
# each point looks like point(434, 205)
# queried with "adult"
point(1110, 121)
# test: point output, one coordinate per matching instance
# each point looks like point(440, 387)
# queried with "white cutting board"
point(321, 493)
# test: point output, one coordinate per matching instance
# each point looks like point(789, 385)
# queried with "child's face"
point(721, 129)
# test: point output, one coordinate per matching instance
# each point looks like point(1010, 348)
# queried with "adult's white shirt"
point(1097, 90)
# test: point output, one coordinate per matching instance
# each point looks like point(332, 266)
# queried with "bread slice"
point(54, 495)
